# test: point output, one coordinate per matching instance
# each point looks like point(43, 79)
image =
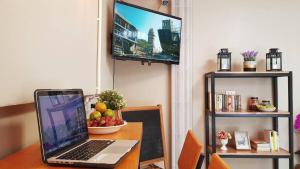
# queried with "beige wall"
point(241, 25)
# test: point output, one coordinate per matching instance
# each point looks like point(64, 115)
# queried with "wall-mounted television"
point(145, 35)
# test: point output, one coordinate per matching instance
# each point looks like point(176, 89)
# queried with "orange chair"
point(190, 152)
point(217, 163)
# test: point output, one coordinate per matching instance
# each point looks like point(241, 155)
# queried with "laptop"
point(64, 135)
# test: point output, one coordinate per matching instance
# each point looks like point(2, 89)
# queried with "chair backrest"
point(217, 163)
point(153, 145)
point(190, 152)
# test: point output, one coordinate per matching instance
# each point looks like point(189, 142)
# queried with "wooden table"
point(30, 157)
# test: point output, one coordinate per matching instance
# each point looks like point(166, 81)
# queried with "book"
point(226, 101)
point(260, 145)
point(275, 140)
point(220, 101)
point(271, 137)
point(239, 102)
point(268, 137)
point(223, 103)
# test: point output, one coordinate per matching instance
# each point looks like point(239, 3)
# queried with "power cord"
point(114, 72)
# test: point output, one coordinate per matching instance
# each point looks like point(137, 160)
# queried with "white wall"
point(46, 44)
point(241, 25)
point(30, 29)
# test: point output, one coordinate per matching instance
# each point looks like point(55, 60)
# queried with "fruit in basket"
point(89, 123)
point(109, 113)
point(101, 107)
point(94, 115)
point(119, 121)
point(92, 123)
point(104, 122)
point(109, 121)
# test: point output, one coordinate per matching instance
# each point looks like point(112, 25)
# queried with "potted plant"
point(223, 136)
point(113, 100)
point(249, 60)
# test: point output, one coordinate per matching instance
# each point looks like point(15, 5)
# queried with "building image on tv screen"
point(143, 35)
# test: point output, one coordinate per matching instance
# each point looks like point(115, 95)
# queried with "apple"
point(94, 115)
point(109, 113)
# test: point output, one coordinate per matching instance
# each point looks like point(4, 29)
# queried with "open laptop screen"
point(62, 119)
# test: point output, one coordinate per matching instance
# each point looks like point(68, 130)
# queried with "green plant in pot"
point(113, 100)
point(249, 60)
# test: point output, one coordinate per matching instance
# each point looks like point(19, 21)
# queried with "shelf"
point(247, 74)
point(211, 80)
point(233, 153)
point(252, 114)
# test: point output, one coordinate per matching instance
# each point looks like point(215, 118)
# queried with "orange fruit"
point(101, 107)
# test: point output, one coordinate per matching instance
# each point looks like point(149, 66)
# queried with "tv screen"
point(145, 35)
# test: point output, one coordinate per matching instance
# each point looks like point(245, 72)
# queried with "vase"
point(224, 142)
point(118, 114)
point(249, 66)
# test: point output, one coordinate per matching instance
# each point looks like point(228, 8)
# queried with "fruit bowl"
point(266, 108)
point(105, 130)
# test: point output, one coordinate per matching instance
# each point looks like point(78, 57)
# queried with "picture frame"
point(242, 140)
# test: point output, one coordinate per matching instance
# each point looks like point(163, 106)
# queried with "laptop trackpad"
point(116, 149)
point(111, 155)
point(108, 158)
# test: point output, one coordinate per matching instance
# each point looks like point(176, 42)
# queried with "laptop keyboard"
point(86, 151)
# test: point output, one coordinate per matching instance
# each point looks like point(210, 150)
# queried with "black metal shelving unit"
point(210, 116)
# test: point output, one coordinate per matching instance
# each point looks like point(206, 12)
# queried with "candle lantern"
point(274, 60)
point(224, 60)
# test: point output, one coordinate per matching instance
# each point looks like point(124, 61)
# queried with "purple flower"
point(297, 123)
point(249, 55)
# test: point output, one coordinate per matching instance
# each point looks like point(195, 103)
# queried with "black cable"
point(97, 51)
point(114, 72)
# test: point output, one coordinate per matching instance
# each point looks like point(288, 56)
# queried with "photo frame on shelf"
point(242, 140)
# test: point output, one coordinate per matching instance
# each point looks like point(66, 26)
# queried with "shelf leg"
point(213, 118)
point(275, 91)
point(275, 119)
point(207, 155)
point(206, 123)
point(275, 163)
point(291, 141)
point(291, 121)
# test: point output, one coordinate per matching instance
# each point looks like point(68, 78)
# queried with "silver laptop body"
point(63, 129)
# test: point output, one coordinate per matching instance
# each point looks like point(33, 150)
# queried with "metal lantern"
point(224, 60)
point(274, 60)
